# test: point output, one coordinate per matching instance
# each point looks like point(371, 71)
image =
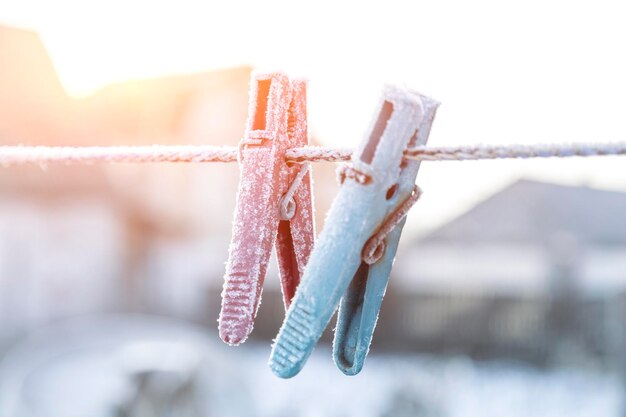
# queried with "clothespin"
point(355, 251)
point(274, 203)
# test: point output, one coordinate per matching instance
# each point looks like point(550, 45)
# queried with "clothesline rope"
point(21, 155)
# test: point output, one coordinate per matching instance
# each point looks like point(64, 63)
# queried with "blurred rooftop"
point(538, 212)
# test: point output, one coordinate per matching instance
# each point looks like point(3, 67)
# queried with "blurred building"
point(536, 271)
point(79, 239)
point(33, 103)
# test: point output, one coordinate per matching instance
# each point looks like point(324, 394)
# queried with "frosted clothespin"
point(359, 308)
point(349, 257)
point(274, 203)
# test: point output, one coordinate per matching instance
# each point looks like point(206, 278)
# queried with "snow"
point(85, 367)
point(397, 385)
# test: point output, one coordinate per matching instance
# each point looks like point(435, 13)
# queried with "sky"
point(504, 72)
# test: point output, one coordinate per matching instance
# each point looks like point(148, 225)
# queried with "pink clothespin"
point(274, 203)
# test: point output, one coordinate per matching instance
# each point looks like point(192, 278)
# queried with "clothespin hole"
point(392, 192)
point(260, 112)
point(377, 133)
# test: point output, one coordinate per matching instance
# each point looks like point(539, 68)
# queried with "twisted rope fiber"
point(479, 152)
point(20, 155)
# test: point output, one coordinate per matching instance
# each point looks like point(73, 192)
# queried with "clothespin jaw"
point(296, 230)
point(360, 306)
point(275, 123)
point(359, 208)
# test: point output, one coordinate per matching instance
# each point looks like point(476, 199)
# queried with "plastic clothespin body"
point(276, 122)
point(359, 308)
point(359, 208)
point(296, 231)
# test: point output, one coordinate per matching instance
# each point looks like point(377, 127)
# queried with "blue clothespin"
point(377, 188)
point(359, 308)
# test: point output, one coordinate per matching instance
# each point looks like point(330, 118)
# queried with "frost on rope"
point(21, 155)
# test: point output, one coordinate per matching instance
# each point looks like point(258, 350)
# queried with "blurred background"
point(508, 294)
